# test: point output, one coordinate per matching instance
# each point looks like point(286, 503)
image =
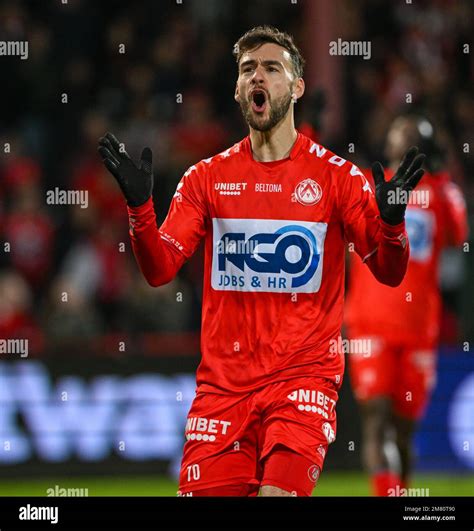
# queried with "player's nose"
point(258, 76)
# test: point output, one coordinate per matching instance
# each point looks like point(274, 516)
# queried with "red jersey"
point(435, 218)
point(275, 236)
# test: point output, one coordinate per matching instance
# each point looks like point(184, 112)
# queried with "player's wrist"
point(137, 202)
point(393, 220)
point(391, 229)
point(143, 208)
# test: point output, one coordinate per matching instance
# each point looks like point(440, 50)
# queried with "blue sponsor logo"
point(419, 226)
point(291, 250)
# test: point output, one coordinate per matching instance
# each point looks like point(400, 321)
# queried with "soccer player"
point(274, 210)
point(392, 379)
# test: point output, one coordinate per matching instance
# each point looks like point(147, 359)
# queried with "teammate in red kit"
point(392, 379)
point(275, 211)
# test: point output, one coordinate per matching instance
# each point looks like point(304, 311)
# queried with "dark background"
point(76, 85)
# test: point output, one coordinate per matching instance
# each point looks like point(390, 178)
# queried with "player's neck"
point(276, 144)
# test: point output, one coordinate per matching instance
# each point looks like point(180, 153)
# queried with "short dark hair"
point(259, 35)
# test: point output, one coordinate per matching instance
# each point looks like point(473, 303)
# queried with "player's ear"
point(299, 87)
point(236, 94)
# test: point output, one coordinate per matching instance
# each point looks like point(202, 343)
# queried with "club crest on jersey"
point(313, 473)
point(267, 255)
point(307, 192)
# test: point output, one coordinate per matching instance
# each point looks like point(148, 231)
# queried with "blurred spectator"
point(98, 271)
point(70, 320)
point(163, 309)
point(163, 75)
point(17, 320)
point(29, 231)
point(197, 134)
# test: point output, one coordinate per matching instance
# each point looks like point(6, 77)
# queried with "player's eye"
point(247, 69)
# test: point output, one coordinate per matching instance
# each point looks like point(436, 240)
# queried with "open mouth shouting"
point(259, 101)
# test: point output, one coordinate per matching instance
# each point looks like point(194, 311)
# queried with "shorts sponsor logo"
point(267, 255)
point(313, 401)
point(329, 432)
point(308, 192)
point(202, 429)
point(313, 473)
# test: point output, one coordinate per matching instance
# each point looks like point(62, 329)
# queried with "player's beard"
point(278, 110)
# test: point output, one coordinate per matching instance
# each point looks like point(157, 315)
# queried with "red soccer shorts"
point(275, 436)
point(403, 373)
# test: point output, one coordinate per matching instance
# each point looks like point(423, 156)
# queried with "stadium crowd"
point(162, 74)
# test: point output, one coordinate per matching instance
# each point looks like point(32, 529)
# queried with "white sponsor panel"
point(267, 255)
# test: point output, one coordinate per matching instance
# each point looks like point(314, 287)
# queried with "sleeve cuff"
point(141, 217)
point(142, 209)
point(392, 230)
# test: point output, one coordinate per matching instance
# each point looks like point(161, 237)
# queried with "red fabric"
point(406, 375)
point(412, 311)
point(308, 130)
point(104, 193)
point(224, 490)
point(291, 472)
point(382, 482)
point(230, 438)
point(209, 139)
point(157, 260)
point(21, 325)
point(21, 171)
point(31, 239)
point(114, 279)
point(319, 202)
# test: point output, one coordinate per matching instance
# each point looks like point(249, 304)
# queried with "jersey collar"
point(293, 153)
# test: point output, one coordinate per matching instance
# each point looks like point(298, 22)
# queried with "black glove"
point(392, 196)
point(135, 181)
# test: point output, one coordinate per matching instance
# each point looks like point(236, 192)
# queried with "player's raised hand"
point(135, 180)
point(392, 196)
